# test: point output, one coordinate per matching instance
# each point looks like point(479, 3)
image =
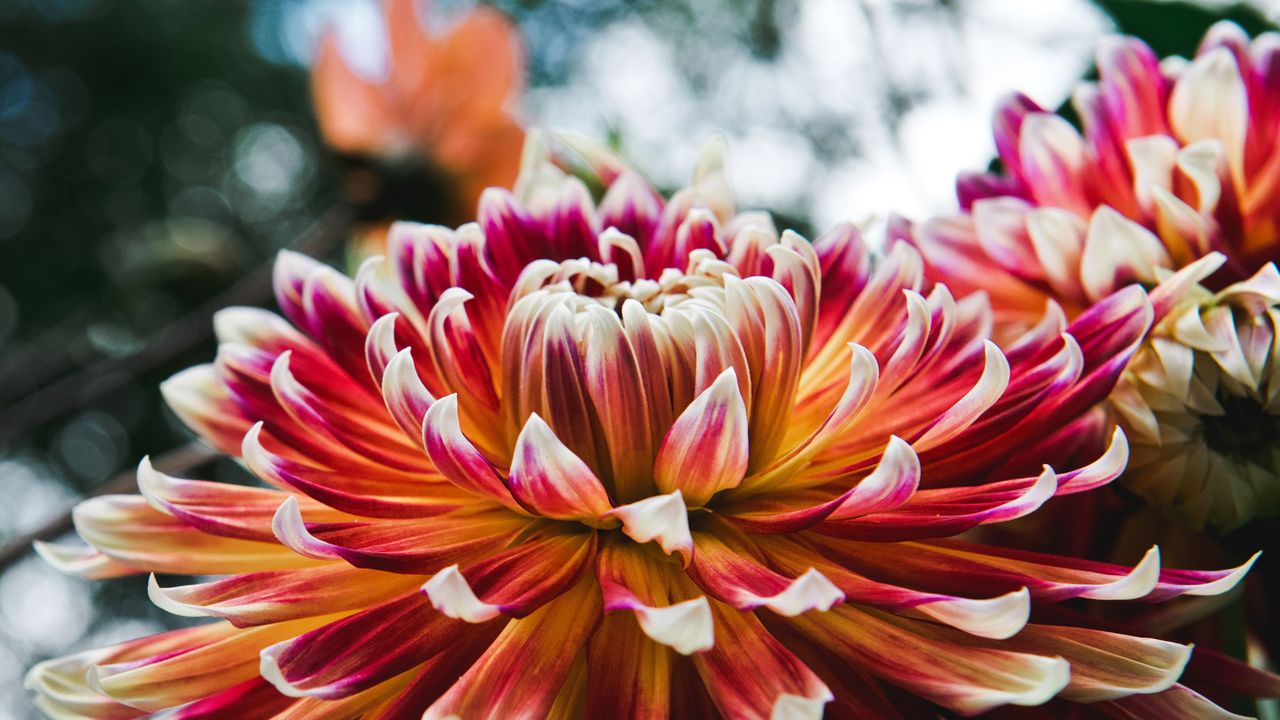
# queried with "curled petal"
point(360, 650)
point(966, 679)
point(945, 512)
point(126, 529)
point(966, 567)
point(632, 580)
point(724, 565)
point(663, 518)
point(992, 617)
point(1104, 665)
point(203, 404)
point(893, 482)
point(1099, 472)
point(778, 686)
point(990, 386)
point(277, 596)
point(406, 396)
point(521, 673)
point(174, 678)
point(400, 546)
point(456, 458)
point(863, 379)
point(685, 627)
point(83, 561)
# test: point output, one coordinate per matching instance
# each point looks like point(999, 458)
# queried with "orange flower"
point(446, 99)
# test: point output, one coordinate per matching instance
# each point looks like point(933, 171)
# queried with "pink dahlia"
point(647, 458)
point(1175, 184)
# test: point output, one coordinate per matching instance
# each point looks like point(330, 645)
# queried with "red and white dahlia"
point(643, 458)
point(1175, 181)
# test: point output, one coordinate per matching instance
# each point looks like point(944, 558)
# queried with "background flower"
point(1171, 184)
point(446, 103)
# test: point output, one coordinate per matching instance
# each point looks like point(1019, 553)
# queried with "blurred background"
point(155, 154)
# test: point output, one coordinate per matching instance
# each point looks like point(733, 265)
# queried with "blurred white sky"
point(871, 106)
point(844, 60)
point(900, 93)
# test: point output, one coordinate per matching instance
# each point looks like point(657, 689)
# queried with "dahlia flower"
point(446, 98)
point(1175, 182)
point(645, 458)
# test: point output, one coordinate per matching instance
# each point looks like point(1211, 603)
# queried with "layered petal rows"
point(644, 457)
point(1172, 183)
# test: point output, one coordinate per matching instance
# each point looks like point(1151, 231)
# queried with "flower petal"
point(514, 582)
point(663, 518)
point(363, 649)
point(173, 678)
point(631, 579)
point(258, 598)
point(751, 675)
point(521, 673)
point(550, 480)
point(728, 566)
point(966, 679)
point(458, 459)
point(399, 546)
point(706, 450)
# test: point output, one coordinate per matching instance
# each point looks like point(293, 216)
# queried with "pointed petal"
point(277, 596)
point(360, 650)
point(706, 449)
point(966, 679)
point(631, 579)
point(550, 480)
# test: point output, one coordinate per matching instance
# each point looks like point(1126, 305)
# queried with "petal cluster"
point(1201, 401)
point(1172, 184)
point(636, 458)
point(1176, 160)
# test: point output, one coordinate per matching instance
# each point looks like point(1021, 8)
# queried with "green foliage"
point(1175, 28)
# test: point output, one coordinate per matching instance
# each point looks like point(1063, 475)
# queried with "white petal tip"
point(997, 618)
point(1227, 582)
point(685, 627)
point(795, 707)
point(269, 668)
point(1140, 581)
point(661, 518)
point(810, 591)
point(452, 595)
point(161, 600)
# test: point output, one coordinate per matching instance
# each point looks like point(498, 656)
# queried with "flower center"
point(610, 363)
point(1245, 431)
point(598, 283)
